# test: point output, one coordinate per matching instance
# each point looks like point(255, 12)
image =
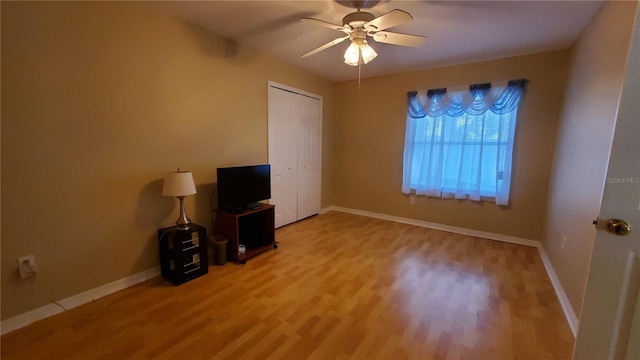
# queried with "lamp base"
point(183, 226)
point(183, 220)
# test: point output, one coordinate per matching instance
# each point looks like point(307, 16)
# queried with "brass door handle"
point(618, 227)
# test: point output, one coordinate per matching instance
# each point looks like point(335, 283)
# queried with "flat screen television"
point(242, 187)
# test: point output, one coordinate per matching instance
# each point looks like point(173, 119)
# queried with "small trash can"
point(219, 249)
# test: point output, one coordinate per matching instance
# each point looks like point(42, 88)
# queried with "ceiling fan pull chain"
point(359, 69)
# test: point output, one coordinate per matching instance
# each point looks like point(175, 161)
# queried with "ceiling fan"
point(360, 24)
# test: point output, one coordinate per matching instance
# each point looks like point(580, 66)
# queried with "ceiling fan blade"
point(399, 39)
point(325, 46)
point(390, 19)
point(324, 24)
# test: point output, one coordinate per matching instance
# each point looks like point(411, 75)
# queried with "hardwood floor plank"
point(340, 286)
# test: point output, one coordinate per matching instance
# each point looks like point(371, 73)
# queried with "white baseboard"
point(569, 313)
point(46, 311)
point(436, 226)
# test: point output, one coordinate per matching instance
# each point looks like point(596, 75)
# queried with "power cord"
point(32, 278)
point(166, 231)
point(213, 206)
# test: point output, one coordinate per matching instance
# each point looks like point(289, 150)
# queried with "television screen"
point(242, 187)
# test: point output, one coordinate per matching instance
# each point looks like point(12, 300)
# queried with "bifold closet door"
point(309, 138)
point(295, 134)
point(283, 157)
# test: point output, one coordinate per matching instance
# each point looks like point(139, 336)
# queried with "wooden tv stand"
point(255, 229)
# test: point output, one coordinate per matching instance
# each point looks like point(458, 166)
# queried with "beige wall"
point(369, 140)
point(99, 102)
point(584, 141)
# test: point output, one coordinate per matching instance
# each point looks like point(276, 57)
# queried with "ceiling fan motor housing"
point(358, 35)
point(357, 19)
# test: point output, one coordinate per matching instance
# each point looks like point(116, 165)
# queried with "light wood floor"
point(340, 286)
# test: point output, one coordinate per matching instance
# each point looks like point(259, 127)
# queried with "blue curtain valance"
point(479, 99)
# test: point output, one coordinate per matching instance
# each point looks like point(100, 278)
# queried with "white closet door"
point(282, 158)
point(290, 174)
point(309, 159)
point(295, 124)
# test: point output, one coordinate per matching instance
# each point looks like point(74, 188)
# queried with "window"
point(459, 144)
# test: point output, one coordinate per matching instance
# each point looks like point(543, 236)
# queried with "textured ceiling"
point(457, 31)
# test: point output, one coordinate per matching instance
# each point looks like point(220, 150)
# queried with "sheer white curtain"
point(459, 144)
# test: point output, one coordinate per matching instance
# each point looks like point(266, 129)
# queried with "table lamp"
point(180, 184)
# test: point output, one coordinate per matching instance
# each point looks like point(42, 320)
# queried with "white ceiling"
point(457, 31)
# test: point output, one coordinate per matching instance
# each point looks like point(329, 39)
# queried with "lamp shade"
point(179, 184)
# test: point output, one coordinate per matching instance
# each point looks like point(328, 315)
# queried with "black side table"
point(183, 253)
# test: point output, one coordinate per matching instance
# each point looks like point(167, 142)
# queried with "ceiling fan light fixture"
point(359, 52)
point(367, 52)
point(352, 55)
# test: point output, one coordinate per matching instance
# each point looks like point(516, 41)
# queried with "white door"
point(610, 320)
point(309, 159)
point(295, 123)
point(282, 157)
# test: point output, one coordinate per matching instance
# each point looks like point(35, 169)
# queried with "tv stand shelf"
point(255, 229)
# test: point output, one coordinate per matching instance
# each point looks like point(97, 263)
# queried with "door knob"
point(618, 227)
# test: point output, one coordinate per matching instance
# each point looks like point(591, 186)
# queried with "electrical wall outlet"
point(412, 199)
point(27, 266)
